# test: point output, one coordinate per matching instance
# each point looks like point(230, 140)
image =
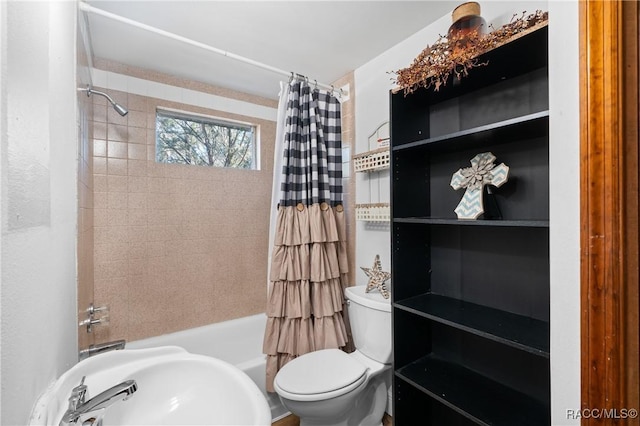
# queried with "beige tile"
point(117, 183)
point(156, 217)
point(137, 233)
point(136, 103)
point(118, 251)
point(137, 168)
point(117, 217)
point(117, 133)
point(117, 200)
point(150, 137)
point(101, 235)
point(100, 131)
point(135, 267)
point(99, 148)
point(157, 185)
point(138, 119)
point(137, 217)
point(137, 152)
point(151, 153)
point(138, 184)
point(155, 248)
point(137, 135)
point(117, 149)
point(100, 113)
point(114, 117)
point(152, 120)
point(117, 234)
point(117, 166)
point(138, 249)
point(100, 183)
point(137, 200)
point(100, 200)
point(99, 165)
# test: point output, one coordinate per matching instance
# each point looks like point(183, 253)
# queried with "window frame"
point(212, 120)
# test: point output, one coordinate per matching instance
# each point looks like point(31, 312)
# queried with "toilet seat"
point(320, 375)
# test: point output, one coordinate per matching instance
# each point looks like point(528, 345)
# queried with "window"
point(204, 141)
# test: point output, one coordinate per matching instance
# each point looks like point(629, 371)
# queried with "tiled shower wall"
point(176, 246)
point(181, 246)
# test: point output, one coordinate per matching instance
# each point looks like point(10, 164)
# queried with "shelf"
point(478, 398)
point(531, 125)
point(527, 334)
point(523, 54)
point(372, 161)
point(478, 222)
point(375, 212)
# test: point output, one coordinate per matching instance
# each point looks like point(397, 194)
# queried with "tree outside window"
point(204, 141)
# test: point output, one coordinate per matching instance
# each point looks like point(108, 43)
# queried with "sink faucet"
point(91, 412)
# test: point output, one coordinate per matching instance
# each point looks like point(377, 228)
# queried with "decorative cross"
point(377, 278)
point(482, 172)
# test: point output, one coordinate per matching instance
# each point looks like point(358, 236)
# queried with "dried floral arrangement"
point(458, 53)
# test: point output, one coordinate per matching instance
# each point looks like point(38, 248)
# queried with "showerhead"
point(119, 108)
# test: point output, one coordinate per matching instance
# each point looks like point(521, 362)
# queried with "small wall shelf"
point(372, 161)
point(376, 160)
point(376, 212)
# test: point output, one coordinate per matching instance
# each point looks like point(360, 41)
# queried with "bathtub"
point(237, 341)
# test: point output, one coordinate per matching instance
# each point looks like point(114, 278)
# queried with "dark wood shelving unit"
point(470, 298)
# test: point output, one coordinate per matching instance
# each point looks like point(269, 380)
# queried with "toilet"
point(332, 388)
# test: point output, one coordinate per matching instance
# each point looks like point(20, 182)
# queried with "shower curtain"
point(305, 304)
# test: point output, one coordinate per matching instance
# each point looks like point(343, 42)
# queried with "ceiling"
point(323, 40)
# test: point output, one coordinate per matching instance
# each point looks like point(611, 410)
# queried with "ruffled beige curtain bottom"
point(305, 306)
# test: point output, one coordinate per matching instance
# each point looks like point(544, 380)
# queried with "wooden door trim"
point(608, 230)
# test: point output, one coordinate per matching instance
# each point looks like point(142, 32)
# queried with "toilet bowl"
point(332, 388)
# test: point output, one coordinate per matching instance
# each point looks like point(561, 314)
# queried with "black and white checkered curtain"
point(312, 164)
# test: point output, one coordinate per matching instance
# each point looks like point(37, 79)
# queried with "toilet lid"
point(319, 372)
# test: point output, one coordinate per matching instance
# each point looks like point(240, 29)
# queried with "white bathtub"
point(237, 341)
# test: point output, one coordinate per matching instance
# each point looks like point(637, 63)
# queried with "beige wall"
point(176, 246)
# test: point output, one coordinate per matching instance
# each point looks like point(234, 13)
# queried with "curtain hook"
point(315, 85)
point(292, 77)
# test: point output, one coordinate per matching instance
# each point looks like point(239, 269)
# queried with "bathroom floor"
point(292, 420)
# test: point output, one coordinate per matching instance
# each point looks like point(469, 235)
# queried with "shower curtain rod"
point(91, 9)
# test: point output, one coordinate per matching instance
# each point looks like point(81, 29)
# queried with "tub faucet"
point(100, 348)
point(91, 412)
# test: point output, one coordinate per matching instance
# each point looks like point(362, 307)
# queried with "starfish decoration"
point(482, 172)
point(377, 278)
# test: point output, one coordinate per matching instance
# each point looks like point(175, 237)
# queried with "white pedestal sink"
point(174, 387)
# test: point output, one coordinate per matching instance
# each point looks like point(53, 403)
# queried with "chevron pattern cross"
point(482, 172)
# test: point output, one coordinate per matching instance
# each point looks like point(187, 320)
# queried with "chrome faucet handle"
point(77, 395)
point(92, 310)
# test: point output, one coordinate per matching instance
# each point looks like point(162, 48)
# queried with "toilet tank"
point(370, 320)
